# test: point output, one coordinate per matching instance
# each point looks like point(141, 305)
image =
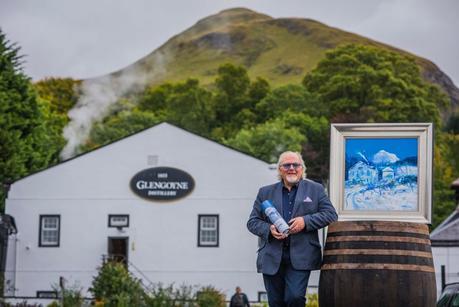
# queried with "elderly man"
point(286, 261)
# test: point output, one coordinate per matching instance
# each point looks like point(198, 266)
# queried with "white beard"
point(292, 179)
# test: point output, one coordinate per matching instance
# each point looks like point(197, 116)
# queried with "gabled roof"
point(163, 123)
point(447, 233)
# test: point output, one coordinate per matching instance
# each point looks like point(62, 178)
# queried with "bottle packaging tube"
point(274, 216)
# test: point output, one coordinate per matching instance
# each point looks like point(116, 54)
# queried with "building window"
point(118, 220)
point(47, 294)
point(262, 296)
point(208, 230)
point(49, 230)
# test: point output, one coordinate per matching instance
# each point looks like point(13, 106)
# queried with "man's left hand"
point(296, 224)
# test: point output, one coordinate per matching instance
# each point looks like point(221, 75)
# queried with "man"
point(286, 261)
point(239, 299)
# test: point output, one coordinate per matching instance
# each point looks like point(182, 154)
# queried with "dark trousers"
point(287, 288)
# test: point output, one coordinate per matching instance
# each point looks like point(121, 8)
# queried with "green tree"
point(232, 84)
point(446, 163)
point(231, 101)
point(452, 125)
point(119, 126)
point(294, 98)
point(315, 150)
point(22, 122)
point(154, 99)
point(62, 93)
point(185, 104)
point(266, 141)
point(189, 106)
point(369, 84)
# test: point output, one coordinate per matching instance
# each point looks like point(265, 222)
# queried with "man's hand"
point(296, 224)
point(276, 234)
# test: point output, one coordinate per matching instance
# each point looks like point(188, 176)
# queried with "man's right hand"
point(276, 234)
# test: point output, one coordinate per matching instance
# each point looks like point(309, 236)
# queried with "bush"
point(114, 286)
point(168, 296)
point(208, 296)
point(312, 300)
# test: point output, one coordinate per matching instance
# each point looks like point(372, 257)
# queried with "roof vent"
point(152, 160)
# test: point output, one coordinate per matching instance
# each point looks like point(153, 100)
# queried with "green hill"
point(280, 50)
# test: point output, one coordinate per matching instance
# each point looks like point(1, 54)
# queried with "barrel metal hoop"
point(379, 238)
point(377, 266)
point(395, 252)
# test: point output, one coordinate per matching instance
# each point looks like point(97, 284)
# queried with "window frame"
point(40, 229)
point(48, 294)
point(261, 294)
point(215, 244)
point(110, 216)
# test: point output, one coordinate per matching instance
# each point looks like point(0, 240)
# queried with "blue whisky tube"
point(271, 212)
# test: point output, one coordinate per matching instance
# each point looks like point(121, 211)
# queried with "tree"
point(232, 87)
point(62, 93)
point(267, 141)
point(294, 98)
point(119, 126)
point(315, 150)
point(23, 132)
point(369, 84)
point(232, 84)
point(190, 106)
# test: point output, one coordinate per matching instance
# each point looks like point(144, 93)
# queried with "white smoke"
point(98, 95)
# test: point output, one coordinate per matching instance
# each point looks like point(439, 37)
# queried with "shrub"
point(208, 296)
point(169, 296)
point(312, 300)
point(115, 286)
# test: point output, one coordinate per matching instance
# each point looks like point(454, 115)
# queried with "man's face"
point(291, 169)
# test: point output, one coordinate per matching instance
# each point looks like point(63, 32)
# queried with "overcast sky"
point(88, 38)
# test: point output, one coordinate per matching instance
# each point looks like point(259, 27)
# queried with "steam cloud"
point(98, 95)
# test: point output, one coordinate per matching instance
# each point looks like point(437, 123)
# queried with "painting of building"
point(381, 174)
point(363, 172)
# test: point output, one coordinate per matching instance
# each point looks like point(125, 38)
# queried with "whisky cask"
point(377, 263)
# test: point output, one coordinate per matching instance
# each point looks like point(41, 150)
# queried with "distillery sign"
point(162, 183)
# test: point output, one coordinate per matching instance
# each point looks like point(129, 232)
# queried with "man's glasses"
point(287, 166)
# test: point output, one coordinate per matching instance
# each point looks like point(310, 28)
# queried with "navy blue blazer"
point(313, 205)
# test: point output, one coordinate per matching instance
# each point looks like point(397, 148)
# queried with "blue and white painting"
point(381, 174)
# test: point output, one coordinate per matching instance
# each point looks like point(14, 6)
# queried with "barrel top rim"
point(388, 226)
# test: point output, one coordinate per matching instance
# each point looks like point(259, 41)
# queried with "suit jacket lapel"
point(299, 196)
point(278, 197)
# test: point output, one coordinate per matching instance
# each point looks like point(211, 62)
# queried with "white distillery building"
point(174, 205)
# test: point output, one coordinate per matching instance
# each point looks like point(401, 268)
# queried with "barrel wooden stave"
point(377, 263)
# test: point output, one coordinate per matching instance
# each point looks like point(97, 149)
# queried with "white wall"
point(449, 257)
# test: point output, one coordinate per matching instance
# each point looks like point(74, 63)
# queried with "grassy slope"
point(279, 50)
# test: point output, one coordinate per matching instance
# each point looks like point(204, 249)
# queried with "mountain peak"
point(226, 18)
point(281, 50)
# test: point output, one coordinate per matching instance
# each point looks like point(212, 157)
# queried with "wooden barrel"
point(377, 263)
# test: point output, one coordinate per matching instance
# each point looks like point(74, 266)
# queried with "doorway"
point(118, 249)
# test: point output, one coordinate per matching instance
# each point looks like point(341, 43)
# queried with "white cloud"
point(384, 157)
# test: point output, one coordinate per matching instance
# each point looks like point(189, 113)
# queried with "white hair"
point(281, 159)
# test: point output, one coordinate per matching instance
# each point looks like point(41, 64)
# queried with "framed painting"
point(382, 171)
